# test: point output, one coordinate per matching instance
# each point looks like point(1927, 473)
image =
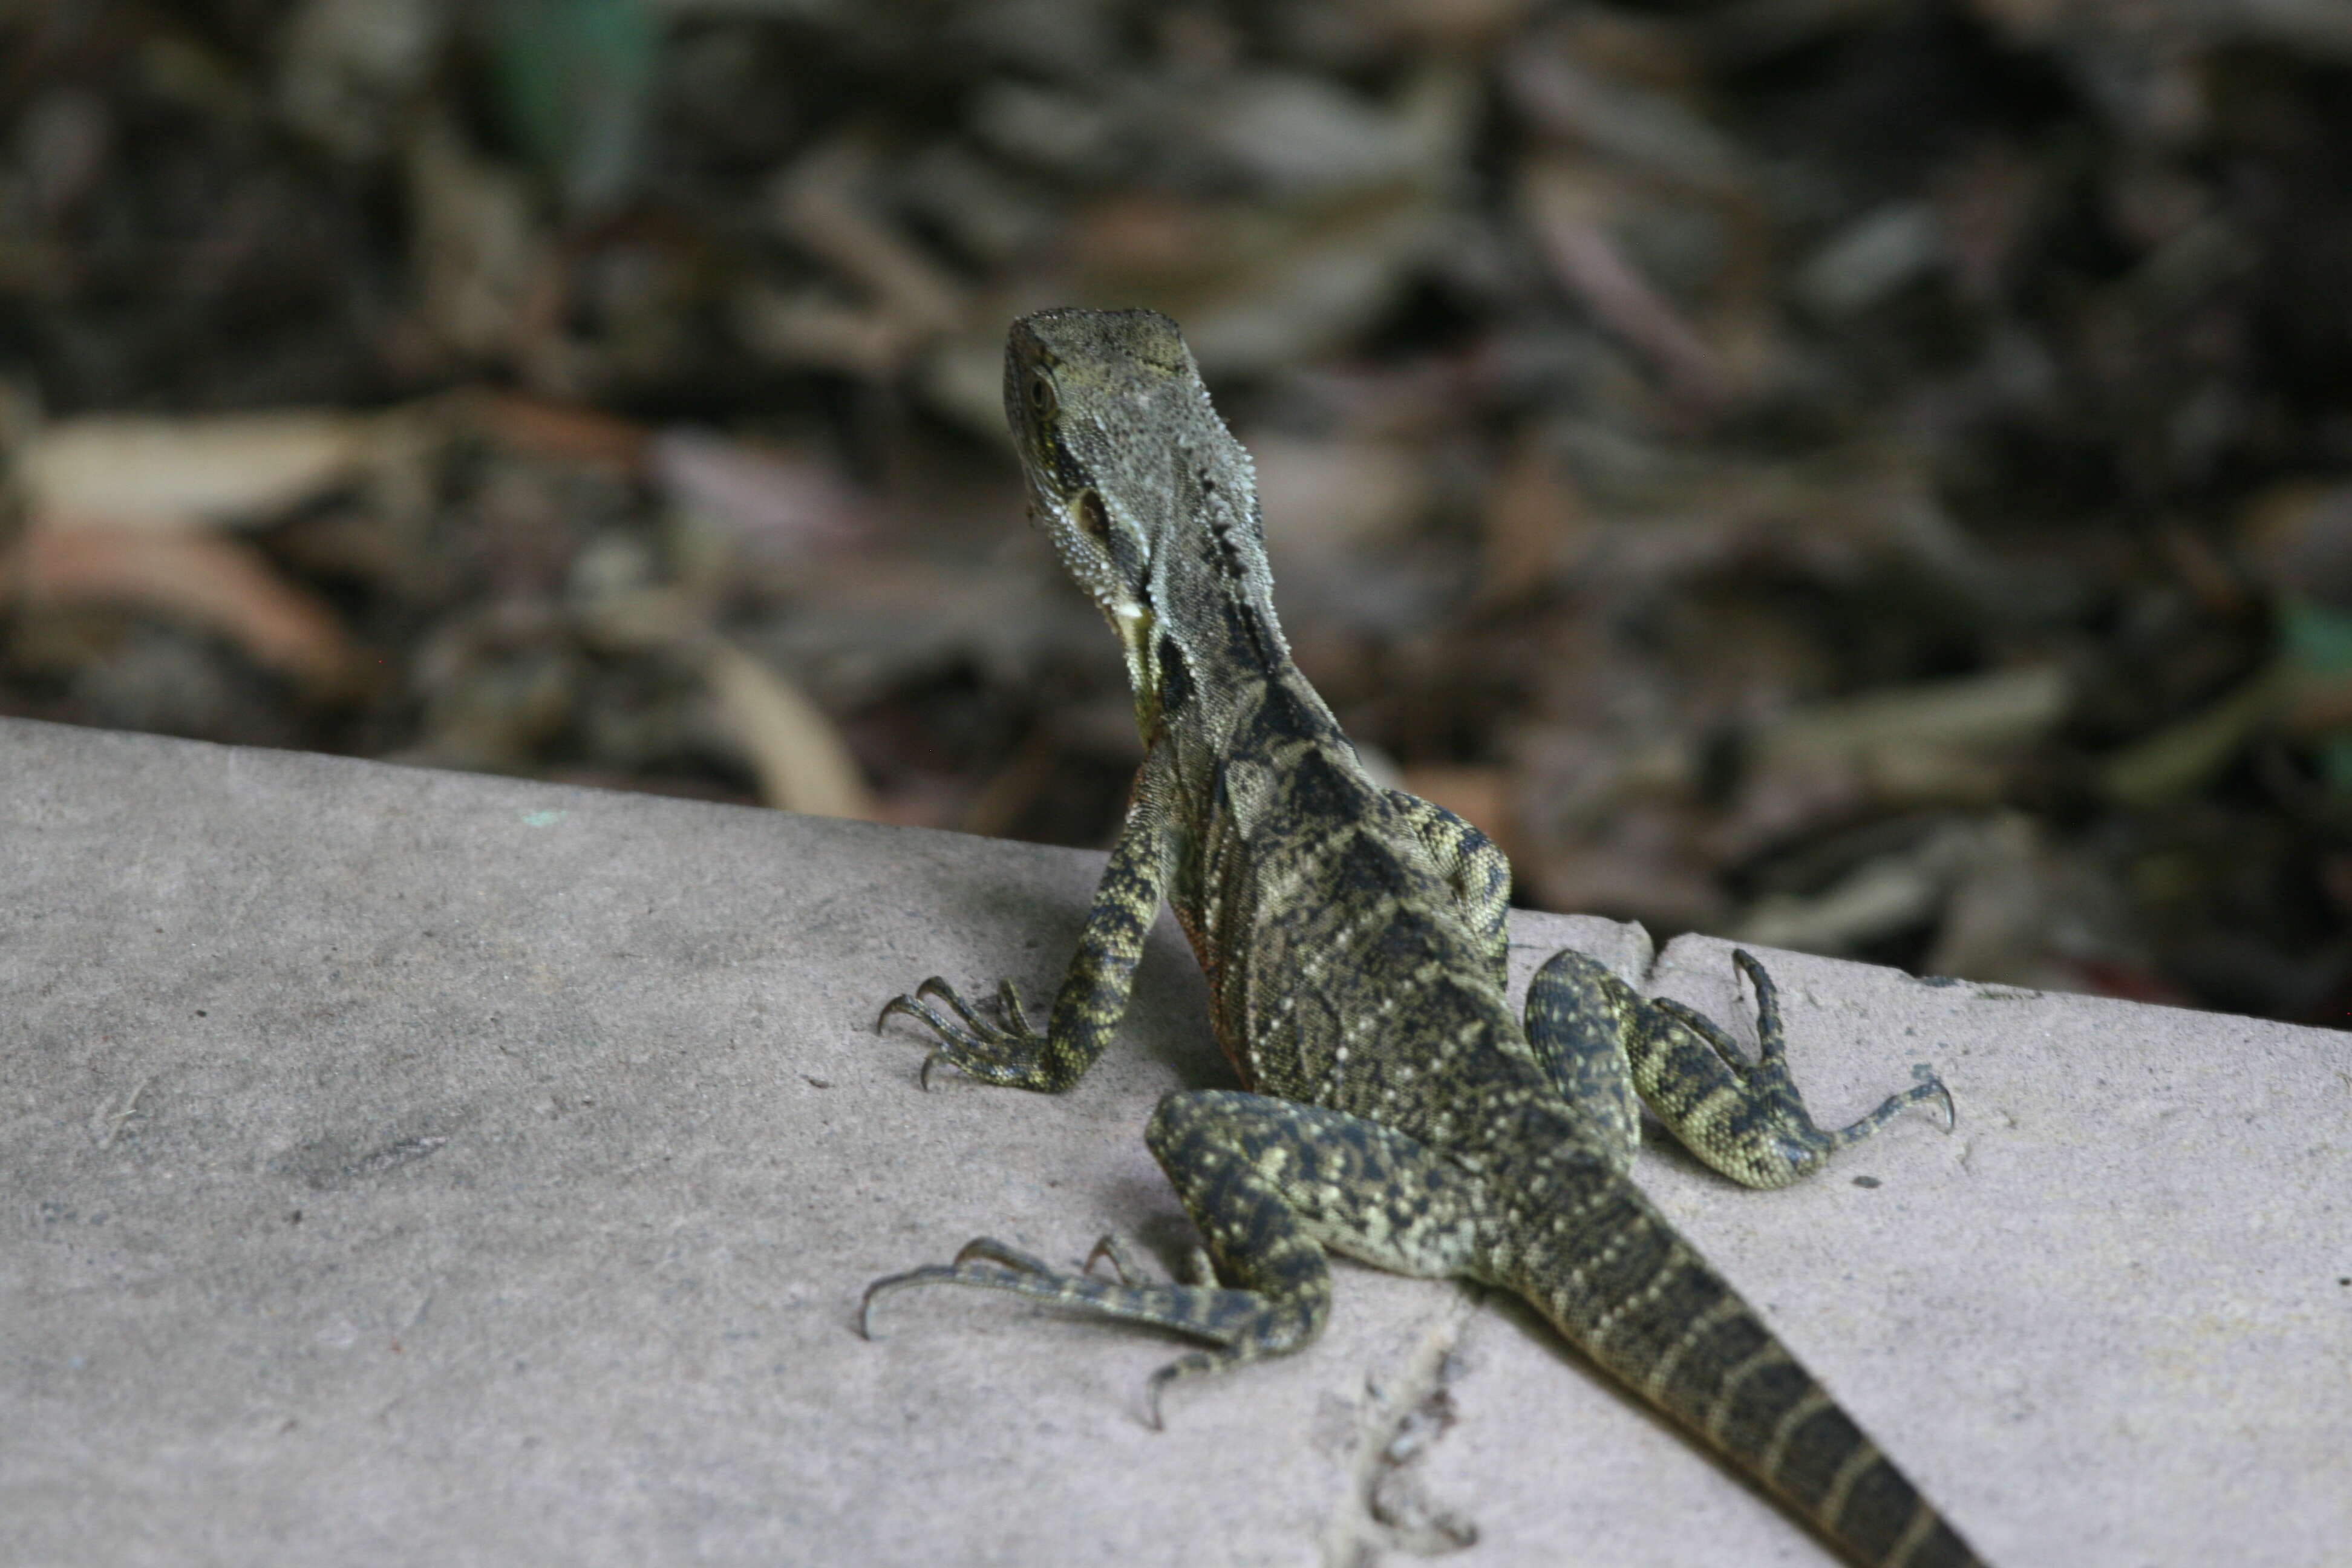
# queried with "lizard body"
point(1393, 1108)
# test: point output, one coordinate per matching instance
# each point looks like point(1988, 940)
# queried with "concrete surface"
point(400, 1166)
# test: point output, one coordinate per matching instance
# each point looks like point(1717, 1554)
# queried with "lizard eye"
point(1042, 401)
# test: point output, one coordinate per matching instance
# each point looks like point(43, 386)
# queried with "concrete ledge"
point(404, 1166)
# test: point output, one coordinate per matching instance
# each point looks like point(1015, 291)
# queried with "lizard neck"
point(1220, 674)
point(1218, 649)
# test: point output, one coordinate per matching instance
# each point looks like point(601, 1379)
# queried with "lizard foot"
point(1226, 1318)
point(964, 1270)
point(980, 1048)
point(1781, 1142)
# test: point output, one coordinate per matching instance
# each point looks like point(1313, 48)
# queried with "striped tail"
point(1639, 1299)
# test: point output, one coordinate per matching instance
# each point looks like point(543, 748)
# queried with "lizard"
point(1393, 1107)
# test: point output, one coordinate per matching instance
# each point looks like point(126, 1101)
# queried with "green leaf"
point(575, 83)
point(2317, 641)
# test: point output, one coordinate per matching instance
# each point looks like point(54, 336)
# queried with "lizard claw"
point(1927, 1075)
point(913, 1006)
point(1121, 1256)
point(975, 1046)
point(1184, 1366)
point(1008, 1001)
point(865, 1302)
point(978, 1250)
point(987, 1248)
point(939, 989)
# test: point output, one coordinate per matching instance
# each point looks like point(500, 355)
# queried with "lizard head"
point(1148, 499)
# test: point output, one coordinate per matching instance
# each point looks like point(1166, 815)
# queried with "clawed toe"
point(1113, 1249)
point(1933, 1087)
point(984, 1261)
point(993, 1051)
point(988, 1249)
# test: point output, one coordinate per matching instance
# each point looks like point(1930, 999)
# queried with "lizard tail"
point(1630, 1292)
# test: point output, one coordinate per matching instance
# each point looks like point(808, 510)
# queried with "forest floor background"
point(1865, 476)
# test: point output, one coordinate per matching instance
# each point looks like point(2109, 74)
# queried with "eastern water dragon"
point(1393, 1107)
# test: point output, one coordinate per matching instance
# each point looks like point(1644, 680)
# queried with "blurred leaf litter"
point(1861, 476)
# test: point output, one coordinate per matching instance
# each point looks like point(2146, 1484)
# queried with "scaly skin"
point(1393, 1108)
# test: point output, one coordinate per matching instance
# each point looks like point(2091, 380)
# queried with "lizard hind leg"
point(1580, 1019)
point(1270, 1184)
point(1747, 1119)
point(1209, 1312)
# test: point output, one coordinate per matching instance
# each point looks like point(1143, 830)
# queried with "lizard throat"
point(1135, 624)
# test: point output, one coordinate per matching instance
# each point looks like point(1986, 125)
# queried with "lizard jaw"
point(1090, 564)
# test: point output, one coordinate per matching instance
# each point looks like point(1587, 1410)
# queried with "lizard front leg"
point(1270, 1184)
point(1599, 1038)
point(1093, 997)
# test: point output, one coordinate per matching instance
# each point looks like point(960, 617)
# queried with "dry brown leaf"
point(1872, 258)
point(566, 432)
point(1295, 137)
point(1647, 865)
point(2000, 709)
point(818, 205)
point(131, 474)
point(220, 584)
point(2321, 29)
point(1257, 287)
point(1447, 23)
point(478, 252)
point(779, 499)
point(1336, 498)
point(351, 68)
point(1011, 789)
point(1303, 300)
point(2297, 536)
point(2025, 910)
point(2181, 758)
point(797, 753)
point(1621, 88)
point(814, 328)
point(1566, 206)
point(2320, 705)
point(1532, 510)
point(1886, 894)
point(1990, 201)
point(1933, 743)
point(1149, 236)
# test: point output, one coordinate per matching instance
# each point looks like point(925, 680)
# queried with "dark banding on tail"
point(1639, 1301)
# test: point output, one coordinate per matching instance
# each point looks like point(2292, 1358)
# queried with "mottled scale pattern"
point(1473, 867)
point(1395, 1107)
